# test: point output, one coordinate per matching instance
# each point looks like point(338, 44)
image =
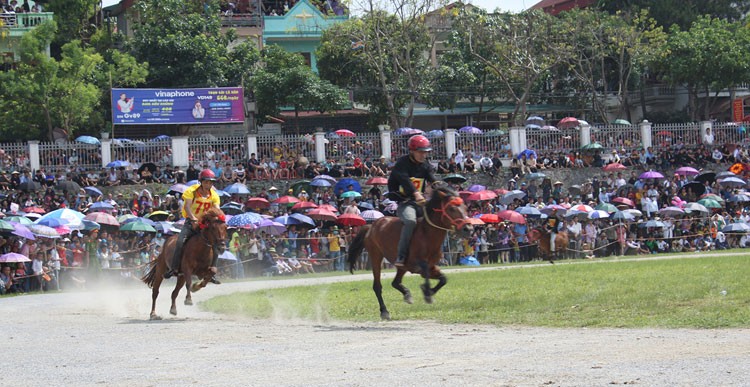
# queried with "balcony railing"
point(24, 21)
point(242, 20)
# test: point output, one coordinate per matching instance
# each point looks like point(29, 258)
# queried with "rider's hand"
point(419, 199)
point(194, 219)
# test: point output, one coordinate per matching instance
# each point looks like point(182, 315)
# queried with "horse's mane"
point(212, 214)
point(440, 191)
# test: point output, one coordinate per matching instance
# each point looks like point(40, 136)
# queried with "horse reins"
point(455, 223)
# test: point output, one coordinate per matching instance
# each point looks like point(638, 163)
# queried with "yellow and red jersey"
point(201, 204)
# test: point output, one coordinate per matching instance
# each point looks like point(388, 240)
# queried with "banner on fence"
point(738, 110)
point(178, 106)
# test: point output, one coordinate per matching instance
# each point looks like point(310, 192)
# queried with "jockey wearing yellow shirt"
point(197, 199)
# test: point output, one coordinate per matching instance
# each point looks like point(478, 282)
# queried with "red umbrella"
point(377, 181)
point(512, 216)
point(624, 201)
point(614, 167)
point(257, 203)
point(568, 122)
point(303, 205)
point(351, 220)
point(465, 194)
point(490, 218)
point(321, 214)
point(286, 200)
point(328, 207)
point(34, 210)
point(482, 195)
point(345, 133)
point(500, 191)
point(474, 221)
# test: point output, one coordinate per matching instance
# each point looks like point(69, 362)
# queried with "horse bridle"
point(455, 223)
point(204, 226)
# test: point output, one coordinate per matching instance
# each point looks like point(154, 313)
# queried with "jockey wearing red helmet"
point(197, 200)
point(406, 185)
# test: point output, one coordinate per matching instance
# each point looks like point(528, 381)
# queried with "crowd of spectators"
point(277, 7)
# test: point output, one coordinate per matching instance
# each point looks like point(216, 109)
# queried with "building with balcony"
point(12, 28)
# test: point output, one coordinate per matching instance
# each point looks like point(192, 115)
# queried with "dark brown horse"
point(197, 257)
point(561, 243)
point(444, 212)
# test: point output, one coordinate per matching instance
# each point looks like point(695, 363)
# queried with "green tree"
point(710, 57)
point(182, 42)
point(285, 80)
point(75, 20)
point(681, 13)
point(44, 93)
point(381, 57)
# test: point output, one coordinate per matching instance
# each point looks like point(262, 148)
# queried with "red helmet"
point(420, 143)
point(207, 174)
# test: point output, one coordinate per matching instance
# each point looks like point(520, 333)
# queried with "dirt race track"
point(104, 337)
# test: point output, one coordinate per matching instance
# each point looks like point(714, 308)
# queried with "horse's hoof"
point(407, 299)
point(154, 317)
point(173, 311)
point(188, 302)
point(551, 261)
point(427, 294)
point(385, 316)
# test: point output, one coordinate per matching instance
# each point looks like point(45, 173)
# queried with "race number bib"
point(418, 184)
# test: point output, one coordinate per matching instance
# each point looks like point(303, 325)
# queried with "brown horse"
point(197, 257)
point(445, 212)
point(542, 235)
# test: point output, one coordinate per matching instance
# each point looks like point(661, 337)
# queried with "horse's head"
point(452, 209)
point(213, 225)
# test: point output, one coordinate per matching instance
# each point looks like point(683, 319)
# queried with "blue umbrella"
point(101, 206)
point(535, 120)
point(320, 183)
point(52, 222)
point(237, 189)
point(407, 131)
point(89, 225)
point(73, 218)
point(533, 127)
point(232, 208)
point(178, 188)
point(304, 219)
point(222, 193)
point(435, 133)
point(162, 137)
point(118, 164)
point(192, 183)
point(366, 206)
point(736, 227)
point(163, 227)
point(332, 135)
point(246, 219)
point(286, 220)
point(88, 140)
point(343, 186)
point(351, 194)
point(622, 215)
point(477, 188)
point(93, 191)
point(529, 211)
point(527, 152)
point(327, 178)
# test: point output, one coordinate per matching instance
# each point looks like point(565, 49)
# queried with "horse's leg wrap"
point(552, 237)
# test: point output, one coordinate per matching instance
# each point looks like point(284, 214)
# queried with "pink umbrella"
point(345, 133)
point(14, 257)
point(614, 167)
point(512, 216)
point(482, 195)
point(103, 218)
point(321, 214)
point(687, 171)
point(651, 175)
point(624, 201)
point(568, 122)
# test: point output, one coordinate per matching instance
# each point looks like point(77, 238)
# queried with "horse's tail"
point(356, 247)
point(150, 276)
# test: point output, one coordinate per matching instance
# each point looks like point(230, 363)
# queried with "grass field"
point(708, 292)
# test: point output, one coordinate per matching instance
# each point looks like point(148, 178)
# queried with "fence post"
point(320, 147)
point(450, 143)
point(106, 152)
point(585, 134)
point(645, 134)
point(517, 140)
point(252, 145)
point(34, 155)
point(180, 152)
point(385, 141)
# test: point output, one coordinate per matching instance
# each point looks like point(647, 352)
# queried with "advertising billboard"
point(178, 106)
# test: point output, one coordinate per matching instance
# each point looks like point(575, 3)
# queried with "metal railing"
point(211, 151)
point(665, 136)
point(731, 133)
point(63, 157)
point(363, 145)
point(286, 146)
point(551, 141)
point(479, 144)
point(138, 152)
point(623, 138)
point(14, 156)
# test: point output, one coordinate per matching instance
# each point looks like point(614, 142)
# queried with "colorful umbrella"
point(535, 120)
point(351, 194)
point(320, 183)
point(614, 167)
point(257, 203)
point(19, 219)
point(730, 228)
point(232, 208)
point(482, 195)
point(321, 214)
point(304, 205)
point(568, 122)
point(622, 215)
point(470, 130)
point(237, 189)
point(477, 188)
point(686, 171)
point(371, 215)
point(624, 201)
point(303, 219)
point(43, 231)
point(244, 220)
point(286, 200)
point(490, 218)
point(118, 164)
point(271, 227)
point(598, 214)
point(710, 203)
point(158, 215)
point(529, 211)
point(101, 206)
point(377, 181)
point(93, 191)
point(6, 226)
point(103, 218)
point(327, 178)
